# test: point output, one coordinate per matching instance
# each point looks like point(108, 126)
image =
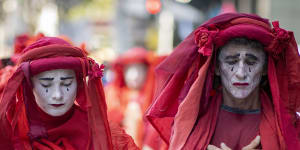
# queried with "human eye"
point(231, 62)
point(45, 85)
point(250, 62)
point(67, 83)
point(46, 81)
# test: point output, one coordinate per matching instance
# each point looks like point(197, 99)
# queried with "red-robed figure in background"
point(55, 101)
point(130, 94)
point(233, 83)
point(21, 41)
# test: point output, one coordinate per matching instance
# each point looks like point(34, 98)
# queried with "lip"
point(56, 105)
point(240, 84)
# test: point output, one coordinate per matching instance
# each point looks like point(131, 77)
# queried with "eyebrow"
point(232, 56)
point(47, 79)
point(65, 78)
point(252, 56)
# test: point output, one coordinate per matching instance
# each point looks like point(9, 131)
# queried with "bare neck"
point(249, 103)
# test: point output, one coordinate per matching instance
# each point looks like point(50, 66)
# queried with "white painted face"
point(241, 69)
point(135, 75)
point(55, 91)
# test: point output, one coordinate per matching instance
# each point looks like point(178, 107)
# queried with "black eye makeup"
point(251, 59)
point(232, 59)
point(67, 81)
point(250, 62)
point(231, 62)
point(67, 84)
point(45, 85)
point(45, 82)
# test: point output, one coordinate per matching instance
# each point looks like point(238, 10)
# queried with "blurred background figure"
point(8, 64)
point(130, 92)
point(109, 29)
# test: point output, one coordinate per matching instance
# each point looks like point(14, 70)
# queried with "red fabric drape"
point(269, 130)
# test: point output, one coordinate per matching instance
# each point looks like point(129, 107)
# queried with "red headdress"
point(20, 125)
point(185, 83)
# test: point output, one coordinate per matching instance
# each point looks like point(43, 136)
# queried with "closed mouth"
point(240, 84)
point(57, 105)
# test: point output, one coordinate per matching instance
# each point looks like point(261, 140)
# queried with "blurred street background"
point(110, 27)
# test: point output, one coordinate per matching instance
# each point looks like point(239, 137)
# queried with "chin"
point(56, 113)
point(240, 95)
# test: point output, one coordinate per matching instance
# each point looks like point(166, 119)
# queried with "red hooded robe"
point(24, 126)
point(185, 109)
point(121, 95)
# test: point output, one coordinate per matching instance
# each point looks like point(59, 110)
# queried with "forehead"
point(233, 49)
point(56, 73)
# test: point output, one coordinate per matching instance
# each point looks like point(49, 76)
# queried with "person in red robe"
point(25, 125)
point(130, 94)
point(231, 84)
point(21, 41)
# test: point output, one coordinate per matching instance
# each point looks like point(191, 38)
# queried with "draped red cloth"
point(5, 74)
point(235, 127)
point(24, 126)
point(271, 138)
point(64, 132)
point(185, 79)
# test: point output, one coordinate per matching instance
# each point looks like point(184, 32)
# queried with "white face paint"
point(135, 75)
point(55, 91)
point(241, 69)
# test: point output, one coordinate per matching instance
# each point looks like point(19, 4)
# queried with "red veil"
point(20, 126)
point(184, 95)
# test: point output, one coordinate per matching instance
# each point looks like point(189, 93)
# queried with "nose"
point(241, 72)
point(57, 94)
